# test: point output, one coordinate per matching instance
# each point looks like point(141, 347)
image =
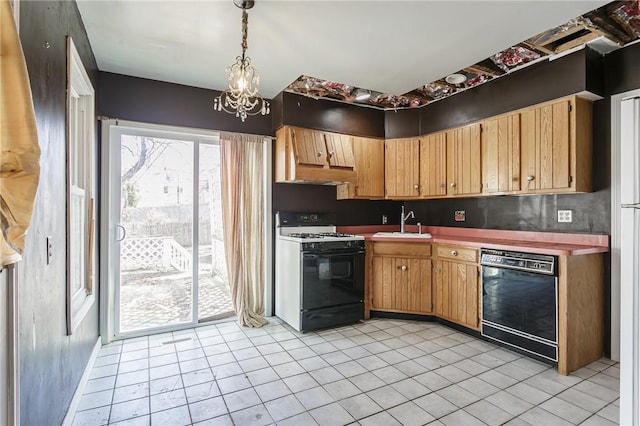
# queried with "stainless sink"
point(401, 235)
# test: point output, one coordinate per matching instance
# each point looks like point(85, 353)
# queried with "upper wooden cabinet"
point(304, 155)
point(556, 147)
point(464, 160)
point(368, 154)
point(339, 151)
point(433, 165)
point(402, 168)
point(450, 163)
point(501, 154)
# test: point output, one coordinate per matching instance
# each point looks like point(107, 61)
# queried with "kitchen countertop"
point(559, 244)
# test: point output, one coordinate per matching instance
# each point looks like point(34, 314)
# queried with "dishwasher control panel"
point(537, 263)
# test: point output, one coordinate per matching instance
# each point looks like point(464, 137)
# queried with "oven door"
point(522, 301)
point(332, 278)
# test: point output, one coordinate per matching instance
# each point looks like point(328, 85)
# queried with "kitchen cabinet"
point(401, 277)
point(464, 160)
point(304, 155)
point(501, 154)
point(402, 168)
point(581, 316)
point(556, 147)
point(456, 285)
point(433, 165)
point(368, 154)
point(450, 163)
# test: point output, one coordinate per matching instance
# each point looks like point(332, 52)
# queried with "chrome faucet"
point(403, 218)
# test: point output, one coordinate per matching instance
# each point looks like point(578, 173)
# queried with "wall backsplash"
point(322, 198)
point(523, 213)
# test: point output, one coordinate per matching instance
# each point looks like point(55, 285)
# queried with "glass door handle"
point(124, 232)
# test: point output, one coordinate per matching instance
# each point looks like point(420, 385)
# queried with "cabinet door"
point(383, 282)
point(402, 168)
point(433, 165)
point(545, 136)
point(369, 159)
point(401, 284)
point(340, 151)
point(456, 292)
point(464, 160)
point(501, 154)
point(309, 147)
point(419, 285)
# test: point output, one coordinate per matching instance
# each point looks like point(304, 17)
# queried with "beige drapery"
point(243, 212)
point(19, 148)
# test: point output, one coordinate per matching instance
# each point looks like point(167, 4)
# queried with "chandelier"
point(242, 97)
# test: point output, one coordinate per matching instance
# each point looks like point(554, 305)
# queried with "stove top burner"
point(320, 235)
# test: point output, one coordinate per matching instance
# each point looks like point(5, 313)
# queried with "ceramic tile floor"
point(379, 372)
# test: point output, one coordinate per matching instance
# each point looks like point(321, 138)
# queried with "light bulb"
point(242, 83)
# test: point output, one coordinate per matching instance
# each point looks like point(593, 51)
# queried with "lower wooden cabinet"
point(402, 284)
point(456, 285)
point(400, 277)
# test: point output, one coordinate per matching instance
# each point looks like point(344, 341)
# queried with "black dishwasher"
point(520, 301)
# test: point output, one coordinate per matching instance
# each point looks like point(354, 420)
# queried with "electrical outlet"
point(385, 219)
point(565, 216)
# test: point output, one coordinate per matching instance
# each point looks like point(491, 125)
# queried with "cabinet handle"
point(530, 178)
point(453, 184)
point(454, 253)
point(443, 185)
point(437, 270)
point(330, 153)
point(319, 154)
point(403, 267)
point(416, 187)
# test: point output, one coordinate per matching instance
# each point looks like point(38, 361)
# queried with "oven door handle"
point(331, 253)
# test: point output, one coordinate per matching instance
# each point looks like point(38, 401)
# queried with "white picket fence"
point(154, 252)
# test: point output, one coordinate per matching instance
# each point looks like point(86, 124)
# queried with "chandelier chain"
point(245, 30)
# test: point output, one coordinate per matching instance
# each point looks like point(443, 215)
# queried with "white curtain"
point(243, 214)
point(19, 149)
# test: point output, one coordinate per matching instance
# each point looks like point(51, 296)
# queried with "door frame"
point(9, 358)
point(110, 209)
point(109, 261)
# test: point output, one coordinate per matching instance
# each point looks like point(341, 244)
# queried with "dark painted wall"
point(322, 198)
point(537, 83)
point(402, 123)
point(622, 70)
point(157, 102)
point(331, 116)
point(51, 363)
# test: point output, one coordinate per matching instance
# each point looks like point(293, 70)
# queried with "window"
point(81, 185)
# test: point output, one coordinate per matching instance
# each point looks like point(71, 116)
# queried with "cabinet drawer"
point(463, 254)
point(402, 249)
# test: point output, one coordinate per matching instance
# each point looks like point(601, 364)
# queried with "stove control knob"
point(348, 243)
point(312, 245)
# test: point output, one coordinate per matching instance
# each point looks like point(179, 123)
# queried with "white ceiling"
point(388, 46)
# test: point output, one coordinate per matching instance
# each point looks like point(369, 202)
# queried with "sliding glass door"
point(166, 263)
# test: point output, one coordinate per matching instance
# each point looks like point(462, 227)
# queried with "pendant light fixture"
point(242, 97)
